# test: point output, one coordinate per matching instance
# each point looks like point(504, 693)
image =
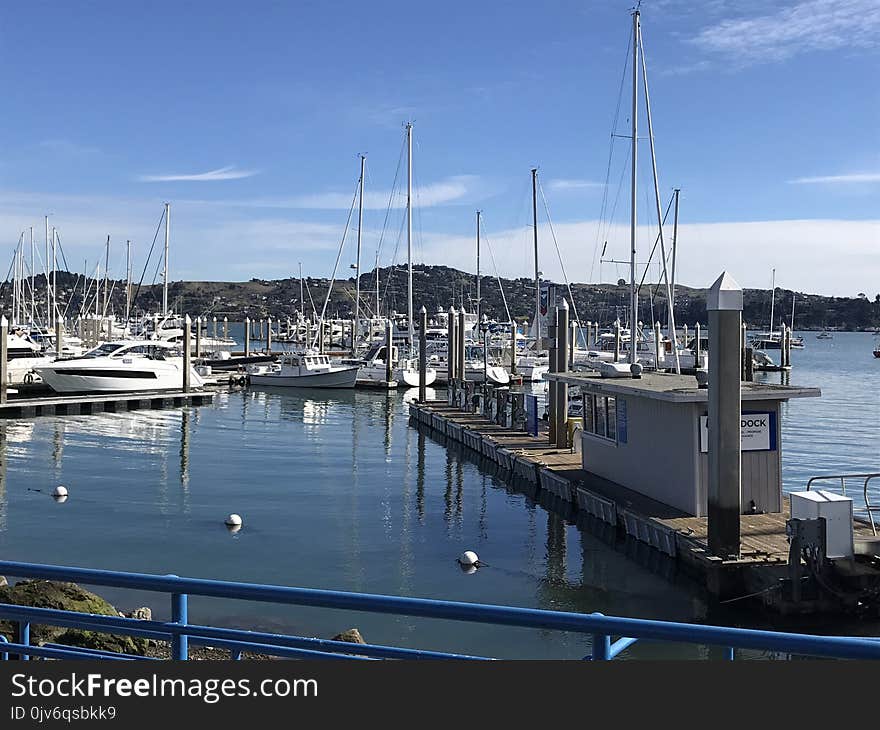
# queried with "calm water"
point(336, 491)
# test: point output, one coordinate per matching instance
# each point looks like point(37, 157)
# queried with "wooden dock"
point(763, 561)
point(56, 405)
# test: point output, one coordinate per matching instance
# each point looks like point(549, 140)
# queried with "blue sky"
point(249, 119)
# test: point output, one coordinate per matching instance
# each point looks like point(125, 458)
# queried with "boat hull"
point(69, 379)
point(342, 378)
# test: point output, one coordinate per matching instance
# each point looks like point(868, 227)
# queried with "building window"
point(600, 416)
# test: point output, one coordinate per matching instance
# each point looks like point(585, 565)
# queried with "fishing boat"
point(120, 367)
point(824, 335)
point(304, 370)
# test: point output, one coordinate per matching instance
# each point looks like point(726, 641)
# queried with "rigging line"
point(67, 269)
point(393, 266)
point(603, 208)
point(391, 198)
point(657, 241)
point(319, 334)
point(497, 276)
point(558, 253)
point(147, 262)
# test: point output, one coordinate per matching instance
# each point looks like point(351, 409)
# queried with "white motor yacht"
point(304, 370)
point(120, 367)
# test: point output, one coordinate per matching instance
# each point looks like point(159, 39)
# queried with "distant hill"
point(439, 287)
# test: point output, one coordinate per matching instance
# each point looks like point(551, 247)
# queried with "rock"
point(352, 636)
point(144, 613)
point(67, 597)
point(3, 581)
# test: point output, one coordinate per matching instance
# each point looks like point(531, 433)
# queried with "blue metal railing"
point(181, 634)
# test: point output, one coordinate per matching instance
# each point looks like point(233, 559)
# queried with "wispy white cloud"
point(800, 27)
point(67, 148)
point(452, 190)
point(858, 177)
point(223, 173)
point(561, 184)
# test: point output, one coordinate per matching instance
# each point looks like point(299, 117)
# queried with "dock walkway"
point(764, 556)
point(99, 403)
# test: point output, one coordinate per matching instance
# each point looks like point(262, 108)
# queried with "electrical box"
point(838, 513)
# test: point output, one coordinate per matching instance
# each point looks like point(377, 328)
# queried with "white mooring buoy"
point(233, 520)
point(59, 491)
point(469, 558)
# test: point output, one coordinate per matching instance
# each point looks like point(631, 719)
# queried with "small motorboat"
point(304, 370)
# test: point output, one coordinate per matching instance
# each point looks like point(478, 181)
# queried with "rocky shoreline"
point(72, 597)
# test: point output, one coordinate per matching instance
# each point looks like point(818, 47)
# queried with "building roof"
point(675, 388)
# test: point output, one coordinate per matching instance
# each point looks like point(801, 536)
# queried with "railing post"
point(179, 642)
point(601, 647)
point(23, 636)
point(729, 654)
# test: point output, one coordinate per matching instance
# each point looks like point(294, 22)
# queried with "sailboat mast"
point(127, 280)
point(377, 283)
point(479, 301)
point(357, 265)
point(793, 297)
point(633, 294)
point(48, 290)
point(33, 282)
point(54, 275)
point(106, 276)
point(409, 285)
point(302, 302)
point(676, 193)
point(670, 301)
point(165, 265)
point(537, 271)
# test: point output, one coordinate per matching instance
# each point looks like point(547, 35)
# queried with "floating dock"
point(101, 403)
point(759, 572)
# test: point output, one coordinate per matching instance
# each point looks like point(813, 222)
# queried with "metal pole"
point(165, 265)
point(409, 289)
point(656, 345)
point(460, 348)
point(562, 349)
point(479, 301)
point(357, 270)
point(724, 305)
point(127, 280)
point(179, 642)
point(538, 347)
point(617, 340)
point(389, 348)
point(187, 356)
point(33, 282)
point(106, 276)
point(247, 336)
point(552, 404)
point(633, 294)
point(4, 356)
point(423, 354)
point(48, 290)
point(513, 348)
point(452, 343)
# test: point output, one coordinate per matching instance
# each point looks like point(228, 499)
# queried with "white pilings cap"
point(725, 294)
point(563, 304)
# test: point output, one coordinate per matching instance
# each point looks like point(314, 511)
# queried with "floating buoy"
point(467, 569)
point(233, 520)
point(469, 558)
point(60, 491)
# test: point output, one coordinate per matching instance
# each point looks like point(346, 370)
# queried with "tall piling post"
point(685, 336)
point(553, 362)
point(4, 357)
point(459, 348)
point(225, 328)
point(247, 336)
point(187, 355)
point(198, 337)
point(389, 349)
point(724, 305)
point(269, 335)
point(451, 344)
point(572, 343)
point(698, 350)
point(59, 337)
point(616, 340)
point(513, 348)
point(562, 348)
point(657, 345)
point(423, 354)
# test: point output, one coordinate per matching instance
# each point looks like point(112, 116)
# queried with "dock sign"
point(758, 432)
